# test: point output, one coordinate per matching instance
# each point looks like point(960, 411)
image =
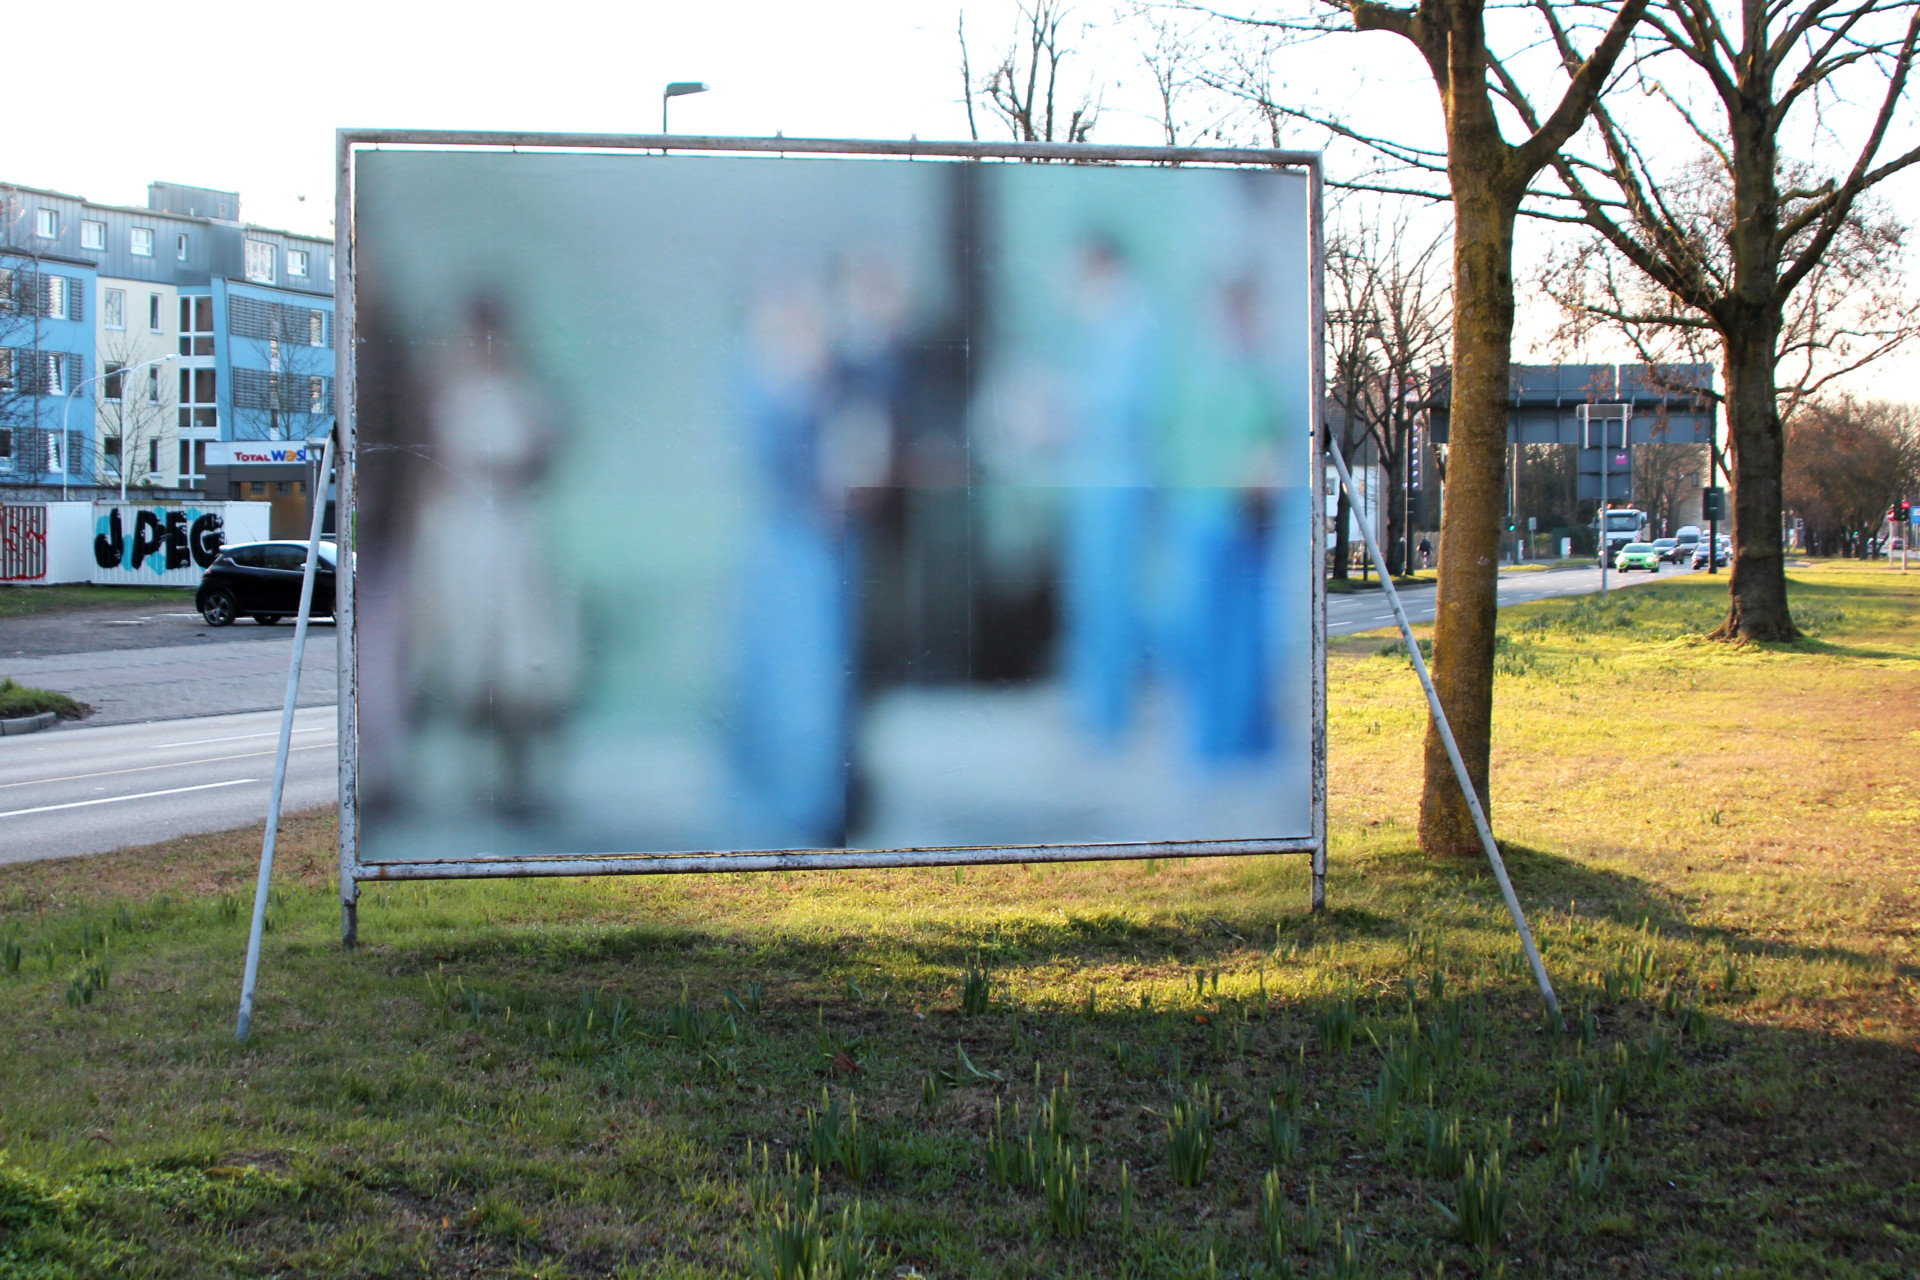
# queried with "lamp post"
point(66, 463)
point(678, 89)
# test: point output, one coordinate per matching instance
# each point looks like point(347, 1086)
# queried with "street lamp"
point(66, 463)
point(678, 89)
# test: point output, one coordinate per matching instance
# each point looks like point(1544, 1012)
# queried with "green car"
point(1638, 555)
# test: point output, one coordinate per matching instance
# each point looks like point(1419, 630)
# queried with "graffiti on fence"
point(161, 539)
point(23, 543)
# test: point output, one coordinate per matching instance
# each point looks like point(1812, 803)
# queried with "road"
point(153, 763)
point(75, 791)
point(1367, 610)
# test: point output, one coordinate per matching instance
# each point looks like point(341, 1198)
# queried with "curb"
point(28, 724)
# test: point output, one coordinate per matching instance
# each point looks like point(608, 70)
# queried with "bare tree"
point(131, 422)
point(1388, 325)
point(1487, 177)
point(1730, 242)
point(1664, 472)
point(1847, 462)
point(1024, 88)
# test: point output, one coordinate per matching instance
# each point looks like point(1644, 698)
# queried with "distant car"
point(261, 580)
point(1687, 535)
point(1668, 549)
point(1637, 555)
point(1700, 555)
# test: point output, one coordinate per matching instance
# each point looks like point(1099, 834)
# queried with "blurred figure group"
point(1183, 440)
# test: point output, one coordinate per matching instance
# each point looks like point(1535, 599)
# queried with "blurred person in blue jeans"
point(1113, 382)
point(1220, 462)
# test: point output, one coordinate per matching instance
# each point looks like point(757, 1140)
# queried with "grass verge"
point(21, 602)
point(1155, 1069)
point(18, 700)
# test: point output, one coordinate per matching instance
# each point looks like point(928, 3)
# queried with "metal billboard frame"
point(354, 872)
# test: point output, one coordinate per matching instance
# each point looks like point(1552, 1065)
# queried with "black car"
point(262, 580)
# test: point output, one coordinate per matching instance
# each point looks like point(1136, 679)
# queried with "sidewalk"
point(168, 682)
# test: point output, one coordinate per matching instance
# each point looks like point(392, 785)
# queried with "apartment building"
point(178, 329)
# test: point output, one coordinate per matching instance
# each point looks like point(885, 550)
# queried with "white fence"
point(124, 544)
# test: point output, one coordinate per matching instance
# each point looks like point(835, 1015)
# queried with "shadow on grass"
point(1812, 645)
point(1550, 881)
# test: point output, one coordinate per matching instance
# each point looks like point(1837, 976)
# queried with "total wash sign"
point(162, 538)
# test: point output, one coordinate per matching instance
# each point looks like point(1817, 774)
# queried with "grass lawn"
point(1155, 1069)
point(20, 602)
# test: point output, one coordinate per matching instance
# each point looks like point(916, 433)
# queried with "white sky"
point(246, 96)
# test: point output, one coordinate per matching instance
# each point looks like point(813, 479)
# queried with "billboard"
point(726, 502)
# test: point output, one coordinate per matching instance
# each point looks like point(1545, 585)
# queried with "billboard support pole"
point(345, 579)
point(1316, 179)
point(1460, 771)
point(245, 1021)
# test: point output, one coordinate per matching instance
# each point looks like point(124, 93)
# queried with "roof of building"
point(162, 213)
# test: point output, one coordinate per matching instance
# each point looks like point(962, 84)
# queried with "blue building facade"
point(234, 324)
point(46, 363)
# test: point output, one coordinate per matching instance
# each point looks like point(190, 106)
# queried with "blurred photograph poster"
point(732, 503)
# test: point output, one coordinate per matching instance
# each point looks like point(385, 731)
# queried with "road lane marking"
point(144, 795)
point(268, 733)
point(108, 773)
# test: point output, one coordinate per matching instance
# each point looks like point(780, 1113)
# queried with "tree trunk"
point(1395, 506)
point(1342, 519)
point(1757, 582)
point(1749, 325)
point(1467, 603)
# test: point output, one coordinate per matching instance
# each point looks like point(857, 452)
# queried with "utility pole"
point(1605, 414)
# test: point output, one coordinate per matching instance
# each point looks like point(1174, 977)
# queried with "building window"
point(141, 243)
point(7, 302)
point(193, 464)
point(180, 246)
point(113, 308)
point(46, 223)
point(153, 457)
point(56, 455)
point(93, 235)
point(297, 262)
point(6, 368)
point(316, 328)
point(56, 375)
point(199, 405)
point(110, 446)
point(6, 448)
point(56, 297)
point(316, 395)
point(260, 264)
point(329, 268)
point(113, 383)
point(153, 384)
point(196, 325)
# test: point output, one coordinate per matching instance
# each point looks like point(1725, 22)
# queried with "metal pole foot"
point(349, 925)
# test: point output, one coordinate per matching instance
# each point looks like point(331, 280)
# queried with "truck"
point(1616, 527)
